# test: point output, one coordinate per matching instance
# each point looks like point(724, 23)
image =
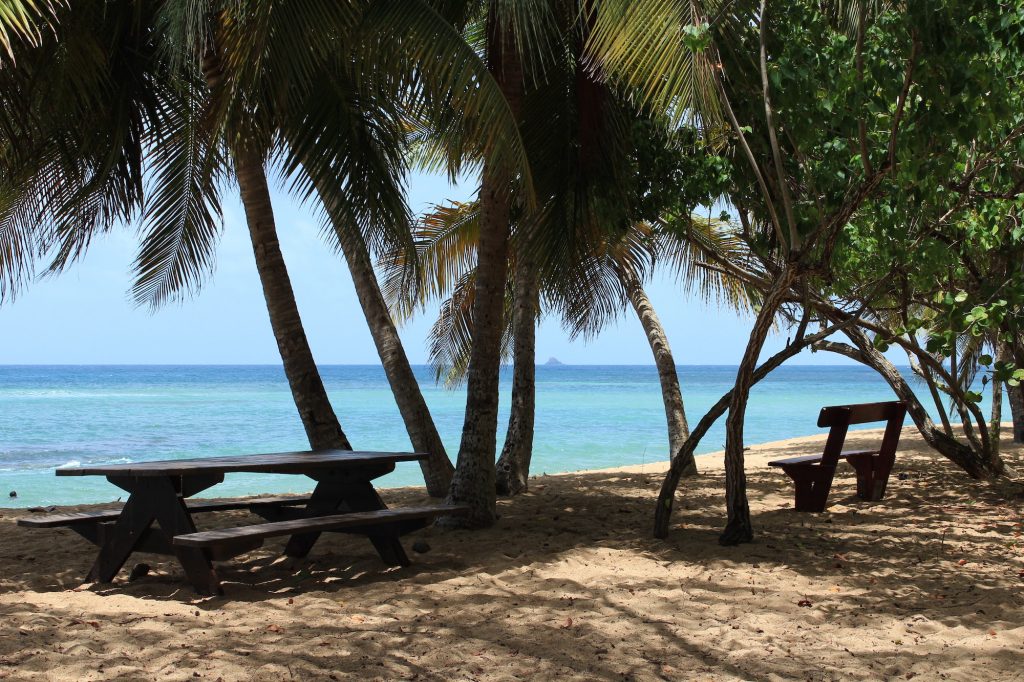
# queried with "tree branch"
point(769, 116)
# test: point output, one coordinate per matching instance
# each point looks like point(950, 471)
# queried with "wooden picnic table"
point(156, 517)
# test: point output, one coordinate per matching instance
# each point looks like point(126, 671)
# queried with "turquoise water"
point(588, 417)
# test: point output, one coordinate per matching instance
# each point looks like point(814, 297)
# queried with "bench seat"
point(194, 506)
point(816, 459)
point(380, 522)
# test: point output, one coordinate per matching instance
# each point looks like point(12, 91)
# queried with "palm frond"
point(696, 249)
point(652, 47)
point(451, 336)
point(25, 20)
point(182, 218)
point(444, 253)
point(449, 85)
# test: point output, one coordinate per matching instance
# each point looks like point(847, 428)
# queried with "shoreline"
point(658, 467)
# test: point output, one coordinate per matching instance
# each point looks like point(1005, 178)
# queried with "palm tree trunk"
point(671, 394)
point(318, 418)
point(437, 470)
point(996, 423)
point(474, 481)
point(513, 468)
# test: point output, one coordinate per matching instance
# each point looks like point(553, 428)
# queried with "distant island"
point(554, 361)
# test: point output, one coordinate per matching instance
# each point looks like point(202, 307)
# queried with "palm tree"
point(582, 140)
point(211, 84)
point(445, 240)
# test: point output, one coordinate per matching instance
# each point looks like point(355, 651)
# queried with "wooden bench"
point(382, 526)
point(813, 474)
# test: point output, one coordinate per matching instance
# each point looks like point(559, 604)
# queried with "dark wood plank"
point(863, 413)
point(319, 524)
point(283, 462)
point(811, 459)
point(790, 461)
point(194, 507)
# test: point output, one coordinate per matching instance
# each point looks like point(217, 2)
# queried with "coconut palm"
point(445, 240)
point(182, 95)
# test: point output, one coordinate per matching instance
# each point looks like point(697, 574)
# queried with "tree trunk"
point(437, 470)
point(671, 394)
point(474, 481)
point(996, 423)
point(513, 468)
point(1015, 394)
point(739, 528)
point(318, 417)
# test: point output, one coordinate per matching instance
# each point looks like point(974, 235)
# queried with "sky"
point(85, 316)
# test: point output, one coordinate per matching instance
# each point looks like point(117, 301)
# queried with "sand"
point(928, 583)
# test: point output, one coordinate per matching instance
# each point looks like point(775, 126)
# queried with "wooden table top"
point(279, 463)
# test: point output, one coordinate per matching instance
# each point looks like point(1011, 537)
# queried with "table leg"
point(128, 530)
point(153, 499)
point(330, 497)
point(174, 519)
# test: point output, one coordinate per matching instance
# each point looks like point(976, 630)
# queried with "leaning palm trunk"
point(474, 481)
point(437, 470)
point(513, 468)
point(318, 418)
point(671, 394)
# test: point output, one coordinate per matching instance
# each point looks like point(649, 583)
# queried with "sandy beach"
point(928, 583)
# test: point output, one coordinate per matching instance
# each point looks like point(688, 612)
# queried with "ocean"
point(588, 417)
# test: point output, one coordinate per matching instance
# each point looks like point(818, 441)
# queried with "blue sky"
point(85, 316)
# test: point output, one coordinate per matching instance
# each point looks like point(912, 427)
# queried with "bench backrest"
point(840, 417)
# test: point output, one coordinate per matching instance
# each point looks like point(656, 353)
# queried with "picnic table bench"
point(157, 517)
point(812, 474)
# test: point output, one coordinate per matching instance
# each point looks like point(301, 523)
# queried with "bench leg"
point(872, 475)
point(812, 485)
point(804, 495)
point(390, 549)
point(865, 469)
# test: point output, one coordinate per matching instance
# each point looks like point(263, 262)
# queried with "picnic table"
point(157, 518)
